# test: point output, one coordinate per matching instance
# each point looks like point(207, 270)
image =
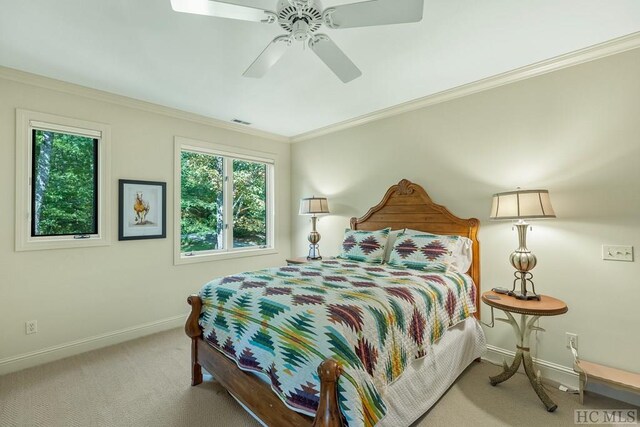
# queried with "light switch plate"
point(617, 253)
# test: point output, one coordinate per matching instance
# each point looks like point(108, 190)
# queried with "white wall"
point(128, 288)
point(575, 132)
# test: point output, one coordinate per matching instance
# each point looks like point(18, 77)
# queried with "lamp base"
point(314, 253)
point(527, 296)
point(524, 277)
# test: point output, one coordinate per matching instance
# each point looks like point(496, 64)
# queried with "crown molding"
point(99, 95)
point(591, 53)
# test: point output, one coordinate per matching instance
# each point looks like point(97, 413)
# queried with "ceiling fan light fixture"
point(300, 30)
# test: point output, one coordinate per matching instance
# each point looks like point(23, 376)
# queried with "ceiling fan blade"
point(267, 59)
point(374, 12)
point(335, 58)
point(224, 9)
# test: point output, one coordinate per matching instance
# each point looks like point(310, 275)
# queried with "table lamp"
point(314, 206)
point(521, 205)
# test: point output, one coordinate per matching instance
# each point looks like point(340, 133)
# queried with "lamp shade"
point(522, 204)
point(314, 206)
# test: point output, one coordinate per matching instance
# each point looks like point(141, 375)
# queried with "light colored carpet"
point(145, 382)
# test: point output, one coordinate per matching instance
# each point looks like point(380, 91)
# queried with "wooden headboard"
point(407, 205)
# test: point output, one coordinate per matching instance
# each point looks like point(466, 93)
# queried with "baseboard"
point(49, 354)
point(561, 375)
point(549, 371)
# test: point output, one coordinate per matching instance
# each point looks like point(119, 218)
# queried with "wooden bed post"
point(328, 414)
point(193, 330)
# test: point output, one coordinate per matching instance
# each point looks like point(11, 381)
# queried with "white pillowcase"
point(462, 253)
point(391, 240)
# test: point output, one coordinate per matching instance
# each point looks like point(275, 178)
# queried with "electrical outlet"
point(572, 339)
point(31, 327)
point(617, 253)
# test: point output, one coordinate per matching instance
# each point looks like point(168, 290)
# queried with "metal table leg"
point(523, 355)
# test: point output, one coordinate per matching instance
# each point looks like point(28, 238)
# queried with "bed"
point(394, 389)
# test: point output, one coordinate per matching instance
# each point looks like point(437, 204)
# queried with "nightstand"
point(529, 311)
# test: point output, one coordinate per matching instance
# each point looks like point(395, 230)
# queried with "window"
point(61, 178)
point(64, 189)
point(225, 203)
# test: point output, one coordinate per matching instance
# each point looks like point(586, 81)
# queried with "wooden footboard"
point(254, 393)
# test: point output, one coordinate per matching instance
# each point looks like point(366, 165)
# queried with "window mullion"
point(228, 201)
point(270, 199)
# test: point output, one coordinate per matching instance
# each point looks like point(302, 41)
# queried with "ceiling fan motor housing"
point(299, 21)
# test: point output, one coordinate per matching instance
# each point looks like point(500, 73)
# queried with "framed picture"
point(142, 210)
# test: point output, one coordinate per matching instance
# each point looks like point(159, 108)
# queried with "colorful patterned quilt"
point(373, 319)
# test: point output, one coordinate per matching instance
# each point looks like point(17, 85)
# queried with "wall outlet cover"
point(31, 327)
point(572, 339)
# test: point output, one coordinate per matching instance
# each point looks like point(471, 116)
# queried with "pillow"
point(461, 253)
point(365, 246)
point(426, 252)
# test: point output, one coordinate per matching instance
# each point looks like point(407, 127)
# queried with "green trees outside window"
point(202, 202)
point(203, 210)
point(64, 184)
point(249, 204)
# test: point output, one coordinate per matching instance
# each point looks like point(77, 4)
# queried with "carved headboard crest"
point(404, 188)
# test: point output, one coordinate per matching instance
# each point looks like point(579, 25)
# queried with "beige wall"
point(575, 132)
point(127, 288)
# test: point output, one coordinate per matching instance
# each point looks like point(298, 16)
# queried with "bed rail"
point(254, 393)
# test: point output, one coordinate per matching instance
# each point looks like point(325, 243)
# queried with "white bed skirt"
point(425, 380)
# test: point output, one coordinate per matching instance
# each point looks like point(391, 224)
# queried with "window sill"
point(59, 243)
point(181, 259)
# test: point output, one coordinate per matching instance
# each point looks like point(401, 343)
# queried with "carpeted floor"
point(145, 382)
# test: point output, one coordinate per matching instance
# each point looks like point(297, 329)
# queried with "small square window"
point(62, 182)
point(64, 190)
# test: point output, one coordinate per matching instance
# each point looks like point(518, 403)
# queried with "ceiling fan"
point(301, 19)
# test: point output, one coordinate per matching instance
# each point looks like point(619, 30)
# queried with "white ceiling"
point(144, 50)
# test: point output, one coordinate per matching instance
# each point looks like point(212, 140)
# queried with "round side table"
point(530, 311)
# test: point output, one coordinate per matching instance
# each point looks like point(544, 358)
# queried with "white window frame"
point(26, 122)
point(229, 153)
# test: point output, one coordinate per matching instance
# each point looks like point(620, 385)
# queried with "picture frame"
point(142, 210)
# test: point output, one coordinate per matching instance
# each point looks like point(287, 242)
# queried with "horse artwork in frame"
point(142, 210)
